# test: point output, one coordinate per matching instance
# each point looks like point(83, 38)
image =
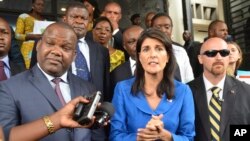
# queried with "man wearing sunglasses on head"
point(220, 100)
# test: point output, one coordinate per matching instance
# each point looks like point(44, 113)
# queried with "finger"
point(79, 99)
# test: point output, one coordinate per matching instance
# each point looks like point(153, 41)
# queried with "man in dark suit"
point(232, 96)
point(10, 68)
point(97, 56)
point(32, 105)
point(126, 70)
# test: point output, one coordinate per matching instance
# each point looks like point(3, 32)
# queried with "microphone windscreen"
point(107, 107)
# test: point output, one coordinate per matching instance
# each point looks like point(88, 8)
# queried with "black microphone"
point(103, 114)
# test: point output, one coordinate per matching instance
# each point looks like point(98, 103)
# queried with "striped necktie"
point(214, 114)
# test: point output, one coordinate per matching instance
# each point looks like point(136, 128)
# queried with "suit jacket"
point(235, 108)
point(29, 96)
point(15, 68)
point(120, 73)
point(133, 112)
point(99, 66)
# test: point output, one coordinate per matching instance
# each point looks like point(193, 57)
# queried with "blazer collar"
point(200, 98)
point(39, 80)
point(141, 103)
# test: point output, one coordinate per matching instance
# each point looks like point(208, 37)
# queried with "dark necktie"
point(214, 114)
point(81, 65)
point(58, 90)
point(2, 72)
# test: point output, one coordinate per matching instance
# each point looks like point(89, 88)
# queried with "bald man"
point(232, 96)
point(126, 70)
point(32, 95)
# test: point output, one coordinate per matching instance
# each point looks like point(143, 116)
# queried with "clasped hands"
point(154, 130)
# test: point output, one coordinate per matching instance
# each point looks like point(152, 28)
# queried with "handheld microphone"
point(103, 114)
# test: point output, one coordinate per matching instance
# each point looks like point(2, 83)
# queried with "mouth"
point(54, 61)
point(78, 28)
point(153, 63)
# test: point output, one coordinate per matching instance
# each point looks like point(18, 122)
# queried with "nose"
point(57, 51)
point(78, 20)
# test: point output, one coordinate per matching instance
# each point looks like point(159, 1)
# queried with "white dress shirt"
point(84, 48)
point(209, 85)
point(132, 65)
point(183, 63)
point(64, 85)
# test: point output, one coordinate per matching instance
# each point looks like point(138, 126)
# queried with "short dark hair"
point(213, 24)
point(161, 15)
point(133, 17)
point(167, 83)
point(75, 4)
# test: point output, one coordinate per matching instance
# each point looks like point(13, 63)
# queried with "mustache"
point(218, 63)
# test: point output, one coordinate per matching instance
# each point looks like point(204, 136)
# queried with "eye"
point(145, 49)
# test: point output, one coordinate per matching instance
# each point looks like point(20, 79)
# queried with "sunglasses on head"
point(213, 53)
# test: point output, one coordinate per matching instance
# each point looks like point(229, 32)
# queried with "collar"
point(209, 85)
point(5, 59)
point(82, 39)
point(132, 62)
point(50, 78)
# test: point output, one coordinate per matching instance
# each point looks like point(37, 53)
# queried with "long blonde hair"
point(238, 62)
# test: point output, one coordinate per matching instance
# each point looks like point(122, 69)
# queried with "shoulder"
point(182, 90)
point(196, 82)
point(18, 79)
point(125, 84)
point(242, 86)
point(179, 86)
point(24, 15)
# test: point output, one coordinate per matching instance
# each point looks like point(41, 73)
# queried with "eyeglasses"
point(213, 53)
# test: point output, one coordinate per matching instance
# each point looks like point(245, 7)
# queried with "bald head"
point(214, 43)
point(214, 56)
point(130, 37)
point(218, 28)
point(57, 49)
point(65, 26)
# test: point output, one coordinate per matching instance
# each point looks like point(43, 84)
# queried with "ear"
point(38, 45)
point(200, 59)
point(64, 18)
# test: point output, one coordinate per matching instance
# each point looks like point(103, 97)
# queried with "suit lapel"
point(40, 82)
point(92, 57)
point(201, 104)
point(128, 69)
point(229, 94)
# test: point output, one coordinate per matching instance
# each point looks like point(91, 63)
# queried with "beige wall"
point(204, 11)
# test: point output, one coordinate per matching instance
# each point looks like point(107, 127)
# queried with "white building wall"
point(204, 11)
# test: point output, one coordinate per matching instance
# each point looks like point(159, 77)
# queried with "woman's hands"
point(154, 130)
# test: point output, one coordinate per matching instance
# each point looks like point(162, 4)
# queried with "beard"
point(218, 68)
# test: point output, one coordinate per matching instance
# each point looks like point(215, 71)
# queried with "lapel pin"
point(170, 100)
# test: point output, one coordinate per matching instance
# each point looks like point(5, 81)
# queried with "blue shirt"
point(133, 112)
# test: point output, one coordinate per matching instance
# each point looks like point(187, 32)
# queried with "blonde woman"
point(235, 58)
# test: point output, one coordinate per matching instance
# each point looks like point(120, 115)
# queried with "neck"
point(214, 79)
point(151, 84)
